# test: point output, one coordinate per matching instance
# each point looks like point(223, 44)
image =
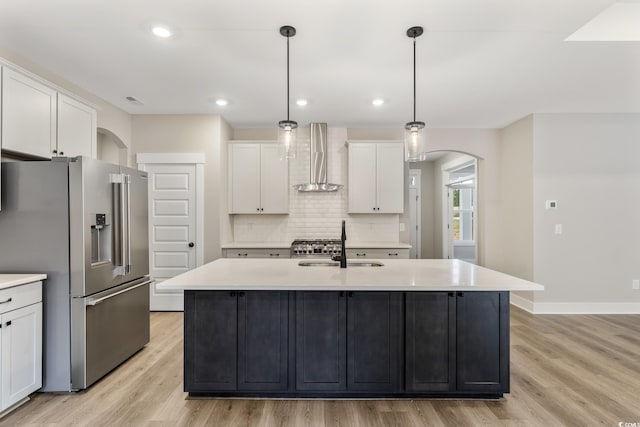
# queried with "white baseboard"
point(523, 303)
point(586, 308)
point(575, 307)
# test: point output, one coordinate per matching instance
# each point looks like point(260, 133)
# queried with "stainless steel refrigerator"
point(84, 223)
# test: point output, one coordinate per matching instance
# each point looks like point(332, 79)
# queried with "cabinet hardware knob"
point(460, 294)
point(62, 153)
point(274, 254)
point(9, 323)
point(374, 209)
point(191, 244)
point(6, 301)
point(341, 294)
point(350, 294)
point(450, 294)
point(261, 209)
point(361, 254)
point(393, 254)
point(55, 151)
point(258, 209)
point(233, 294)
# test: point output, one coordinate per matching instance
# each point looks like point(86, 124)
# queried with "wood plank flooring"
point(573, 370)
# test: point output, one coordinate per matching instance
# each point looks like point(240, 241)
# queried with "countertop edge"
point(12, 280)
point(340, 287)
point(282, 245)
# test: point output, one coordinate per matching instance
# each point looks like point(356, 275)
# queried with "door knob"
point(191, 244)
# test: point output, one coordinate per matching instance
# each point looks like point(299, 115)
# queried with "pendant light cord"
point(414, 78)
point(288, 78)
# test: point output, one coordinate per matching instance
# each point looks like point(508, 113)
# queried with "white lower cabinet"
point(20, 344)
point(378, 253)
point(255, 253)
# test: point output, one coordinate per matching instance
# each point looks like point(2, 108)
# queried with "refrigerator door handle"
point(127, 181)
point(119, 244)
point(91, 302)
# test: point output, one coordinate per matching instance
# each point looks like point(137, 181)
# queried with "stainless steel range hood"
point(318, 162)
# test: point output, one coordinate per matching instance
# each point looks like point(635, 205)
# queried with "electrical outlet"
point(558, 229)
point(402, 226)
point(551, 204)
point(635, 284)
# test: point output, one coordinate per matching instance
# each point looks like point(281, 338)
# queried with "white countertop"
point(395, 275)
point(10, 280)
point(287, 245)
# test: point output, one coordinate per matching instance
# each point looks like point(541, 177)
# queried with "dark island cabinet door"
point(430, 352)
point(374, 337)
point(263, 318)
point(483, 341)
point(210, 331)
point(321, 341)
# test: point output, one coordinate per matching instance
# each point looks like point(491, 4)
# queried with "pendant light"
point(287, 128)
point(414, 140)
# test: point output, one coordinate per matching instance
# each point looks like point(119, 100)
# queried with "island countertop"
point(394, 275)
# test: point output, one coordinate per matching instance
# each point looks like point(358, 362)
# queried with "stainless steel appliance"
point(84, 223)
point(318, 248)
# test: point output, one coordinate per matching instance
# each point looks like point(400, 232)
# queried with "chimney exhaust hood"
point(318, 162)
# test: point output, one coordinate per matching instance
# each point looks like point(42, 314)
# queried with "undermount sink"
point(337, 264)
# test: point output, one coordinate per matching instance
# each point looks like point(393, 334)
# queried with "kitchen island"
point(408, 328)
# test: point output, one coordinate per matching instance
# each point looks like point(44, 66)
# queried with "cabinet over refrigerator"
point(84, 223)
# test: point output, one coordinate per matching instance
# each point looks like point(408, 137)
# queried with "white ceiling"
point(481, 63)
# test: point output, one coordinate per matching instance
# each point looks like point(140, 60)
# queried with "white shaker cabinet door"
point(274, 180)
point(28, 115)
point(362, 178)
point(76, 128)
point(21, 353)
point(245, 179)
point(390, 177)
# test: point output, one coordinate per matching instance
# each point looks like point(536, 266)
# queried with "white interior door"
point(173, 245)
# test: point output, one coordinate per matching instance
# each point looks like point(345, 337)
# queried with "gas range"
point(317, 248)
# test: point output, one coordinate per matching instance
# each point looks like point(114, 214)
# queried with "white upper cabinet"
point(77, 135)
point(376, 171)
point(258, 179)
point(28, 115)
point(39, 121)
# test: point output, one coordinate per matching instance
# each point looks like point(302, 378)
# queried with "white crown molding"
point(170, 158)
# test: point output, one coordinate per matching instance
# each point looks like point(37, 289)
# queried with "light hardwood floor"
point(565, 370)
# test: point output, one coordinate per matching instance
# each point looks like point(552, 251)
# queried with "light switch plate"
point(635, 284)
point(558, 229)
point(402, 226)
point(551, 204)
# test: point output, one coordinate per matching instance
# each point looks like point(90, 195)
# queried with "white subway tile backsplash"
point(317, 215)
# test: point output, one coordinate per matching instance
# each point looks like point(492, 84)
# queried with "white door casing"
point(415, 213)
point(176, 223)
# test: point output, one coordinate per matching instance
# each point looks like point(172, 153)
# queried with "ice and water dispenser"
point(100, 239)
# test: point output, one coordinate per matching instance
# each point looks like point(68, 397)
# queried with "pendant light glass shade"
point(414, 142)
point(287, 129)
point(415, 147)
point(287, 139)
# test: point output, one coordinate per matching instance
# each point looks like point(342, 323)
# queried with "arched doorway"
point(446, 219)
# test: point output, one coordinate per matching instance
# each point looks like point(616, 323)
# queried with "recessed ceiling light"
point(221, 102)
point(301, 102)
point(378, 102)
point(161, 31)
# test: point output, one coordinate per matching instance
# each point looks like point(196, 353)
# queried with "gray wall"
point(192, 134)
point(516, 200)
point(589, 163)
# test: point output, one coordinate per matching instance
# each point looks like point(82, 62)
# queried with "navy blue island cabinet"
point(328, 344)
